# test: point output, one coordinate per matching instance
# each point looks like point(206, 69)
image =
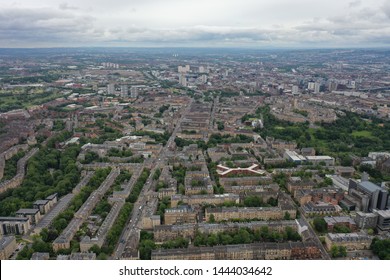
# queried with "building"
point(296, 183)
point(329, 195)
point(253, 170)
point(261, 213)
point(255, 251)
point(352, 241)
point(40, 256)
point(180, 215)
point(366, 220)
point(294, 157)
point(346, 221)
point(383, 219)
point(134, 92)
point(377, 197)
point(320, 208)
point(14, 225)
point(308, 152)
point(245, 181)
point(34, 215)
point(110, 89)
point(124, 91)
point(7, 247)
point(345, 171)
point(316, 160)
point(83, 256)
point(43, 205)
point(216, 199)
point(165, 233)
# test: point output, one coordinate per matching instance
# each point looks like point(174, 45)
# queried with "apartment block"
point(346, 221)
point(261, 213)
point(7, 247)
point(165, 233)
point(180, 215)
point(14, 225)
point(255, 251)
point(352, 241)
point(215, 199)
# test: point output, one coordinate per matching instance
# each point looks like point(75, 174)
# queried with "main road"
point(128, 242)
point(304, 222)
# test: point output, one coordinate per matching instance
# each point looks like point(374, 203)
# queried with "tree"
point(334, 251)
point(338, 251)
point(320, 225)
point(212, 219)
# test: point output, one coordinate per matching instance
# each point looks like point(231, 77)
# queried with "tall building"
point(111, 89)
point(133, 92)
point(124, 91)
point(183, 80)
point(294, 90)
point(183, 69)
point(315, 87)
point(377, 196)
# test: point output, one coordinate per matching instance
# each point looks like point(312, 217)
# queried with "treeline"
point(138, 186)
point(48, 78)
point(42, 243)
point(350, 133)
point(245, 236)
point(215, 139)
point(147, 244)
point(49, 171)
point(10, 167)
point(159, 138)
point(113, 152)
point(381, 248)
point(62, 220)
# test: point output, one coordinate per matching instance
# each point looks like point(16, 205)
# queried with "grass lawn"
point(362, 133)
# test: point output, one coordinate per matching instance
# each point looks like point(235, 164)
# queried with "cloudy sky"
point(195, 23)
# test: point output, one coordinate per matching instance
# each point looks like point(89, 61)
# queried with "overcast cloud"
point(205, 23)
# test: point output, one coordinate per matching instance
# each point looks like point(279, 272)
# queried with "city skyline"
point(172, 23)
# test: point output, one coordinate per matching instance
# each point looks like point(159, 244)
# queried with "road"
point(303, 221)
point(128, 242)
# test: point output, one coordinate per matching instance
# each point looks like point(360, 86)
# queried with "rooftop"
point(27, 211)
point(5, 241)
point(371, 187)
point(384, 213)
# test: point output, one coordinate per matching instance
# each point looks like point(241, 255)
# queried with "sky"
point(195, 23)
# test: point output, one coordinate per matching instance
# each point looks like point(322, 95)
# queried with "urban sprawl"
point(193, 154)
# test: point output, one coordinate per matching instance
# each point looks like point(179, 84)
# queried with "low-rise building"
point(83, 256)
point(316, 160)
point(320, 208)
point(296, 183)
point(366, 220)
point(34, 215)
point(180, 215)
point(43, 205)
point(215, 199)
point(165, 233)
point(7, 247)
point(352, 241)
point(383, 220)
point(346, 221)
point(255, 251)
point(14, 225)
point(261, 213)
point(40, 256)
